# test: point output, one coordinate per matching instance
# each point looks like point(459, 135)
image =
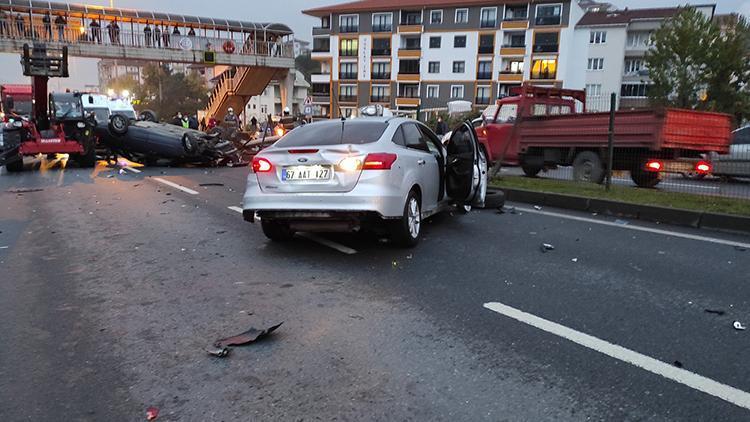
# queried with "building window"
point(598, 37)
point(381, 46)
point(462, 15)
point(408, 90)
point(596, 63)
point(408, 67)
point(411, 18)
point(484, 70)
point(457, 91)
point(512, 66)
point(321, 89)
point(488, 17)
point(436, 17)
point(433, 91)
point(348, 93)
point(544, 69)
point(349, 23)
point(503, 90)
point(321, 44)
point(459, 67)
point(516, 13)
point(638, 39)
point(411, 43)
point(634, 66)
point(486, 43)
point(483, 95)
point(381, 70)
point(546, 42)
point(459, 41)
point(348, 71)
point(325, 22)
point(381, 94)
point(435, 42)
point(516, 39)
point(433, 67)
point(548, 14)
point(593, 90)
point(349, 47)
point(382, 22)
point(634, 90)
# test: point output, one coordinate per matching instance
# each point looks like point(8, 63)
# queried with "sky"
point(83, 71)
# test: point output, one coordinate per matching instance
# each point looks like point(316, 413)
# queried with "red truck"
point(540, 128)
point(15, 100)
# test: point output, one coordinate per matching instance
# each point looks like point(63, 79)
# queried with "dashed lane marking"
point(325, 242)
point(638, 228)
point(682, 376)
point(175, 185)
point(236, 209)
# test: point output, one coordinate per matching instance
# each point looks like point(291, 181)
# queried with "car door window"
point(413, 137)
point(398, 137)
point(432, 142)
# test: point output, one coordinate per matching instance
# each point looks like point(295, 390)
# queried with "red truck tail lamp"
point(261, 165)
point(703, 167)
point(654, 165)
point(379, 161)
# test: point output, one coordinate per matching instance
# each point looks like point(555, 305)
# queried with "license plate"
point(296, 173)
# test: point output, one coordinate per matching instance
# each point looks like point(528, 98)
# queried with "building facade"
point(269, 102)
point(616, 42)
point(422, 54)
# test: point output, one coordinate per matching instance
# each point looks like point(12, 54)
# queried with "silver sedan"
point(368, 173)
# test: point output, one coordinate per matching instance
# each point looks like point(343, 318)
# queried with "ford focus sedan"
point(379, 174)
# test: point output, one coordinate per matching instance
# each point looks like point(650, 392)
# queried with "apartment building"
point(414, 55)
point(616, 43)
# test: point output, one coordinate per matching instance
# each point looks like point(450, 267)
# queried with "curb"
point(674, 216)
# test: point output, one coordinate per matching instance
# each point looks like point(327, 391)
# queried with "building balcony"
point(546, 48)
point(380, 52)
point(407, 102)
point(482, 101)
point(486, 49)
point(410, 29)
point(484, 76)
point(348, 76)
point(547, 20)
point(320, 78)
point(381, 76)
point(511, 76)
point(322, 46)
point(382, 28)
point(348, 99)
point(321, 98)
point(409, 53)
point(408, 77)
point(380, 99)
point(488, 23)
point(513, 50)
point(349, 53)
point(321, 31)
point(349, 29)
point(516, 24)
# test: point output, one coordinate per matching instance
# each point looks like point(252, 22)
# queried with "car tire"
point(16, 166)
point(188, 143)
point(494, 199)
point(406, 231)
point(276, 231)
point(588, 167)
point(529, 170)
point(118, 124)
point(148, 116)
point(645, 179)
point(88, 158)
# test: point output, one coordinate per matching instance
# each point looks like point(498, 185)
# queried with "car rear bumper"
point(369, 196)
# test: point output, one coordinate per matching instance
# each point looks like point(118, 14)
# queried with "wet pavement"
point(113, 286)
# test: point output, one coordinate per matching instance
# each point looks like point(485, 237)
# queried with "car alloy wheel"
point(414, 217)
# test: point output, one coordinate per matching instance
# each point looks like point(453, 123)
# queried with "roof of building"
point(380, 5)
point(142, 16)
point(615, 17)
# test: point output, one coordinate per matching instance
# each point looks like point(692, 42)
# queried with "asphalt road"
point(709, 186)
point(114, 284)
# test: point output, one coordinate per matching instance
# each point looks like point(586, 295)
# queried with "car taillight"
point(703, 167)
point(379, 161)
point(654, 165)
point(261, 165)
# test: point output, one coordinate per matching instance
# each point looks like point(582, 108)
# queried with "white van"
point(104, 107)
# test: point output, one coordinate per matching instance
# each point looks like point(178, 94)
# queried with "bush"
point(454, 120)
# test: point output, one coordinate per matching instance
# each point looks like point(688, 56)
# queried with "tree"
point(167, 93)
point(305, 64)
point(729, 78)
point(679, 59)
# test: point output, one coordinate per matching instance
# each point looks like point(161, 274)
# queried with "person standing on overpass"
point(4, 30)
point(20, 25)
point(47, 21)
point(60, 23)
point(165, 35)
point(147, 35)
point(96, 31)
point(157, 35)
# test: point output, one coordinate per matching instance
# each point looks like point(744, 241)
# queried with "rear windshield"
point(334, 132)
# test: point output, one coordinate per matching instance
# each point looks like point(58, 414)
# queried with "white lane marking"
point(236, 209)
point(638, 228)
point(682, 376)
point(329, 243)
point(132, 169)
point(176, 186)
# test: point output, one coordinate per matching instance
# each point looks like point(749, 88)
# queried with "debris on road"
point(546, 247)
point(574, 259)
point(221, 347)
point(152, 413)
point(677, 364)
point(738, 326)
point(740, 248)
point(537, 207)
point(24, 190)
point(622, 222)
point(715, 311)
point(204, 185)
point(4, 247)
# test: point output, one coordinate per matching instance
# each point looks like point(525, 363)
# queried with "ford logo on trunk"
point(302, 160)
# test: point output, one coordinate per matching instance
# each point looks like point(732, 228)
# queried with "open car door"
point(466, 168)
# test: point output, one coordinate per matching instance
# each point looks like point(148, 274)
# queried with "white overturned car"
point(371, 173)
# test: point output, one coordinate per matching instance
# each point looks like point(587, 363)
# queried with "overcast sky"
point(83, 71)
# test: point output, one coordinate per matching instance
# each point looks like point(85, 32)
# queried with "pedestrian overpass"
point(252, 53)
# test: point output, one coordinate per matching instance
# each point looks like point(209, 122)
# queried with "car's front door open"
point(463, 157)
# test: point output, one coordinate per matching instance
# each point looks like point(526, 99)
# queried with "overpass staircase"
point(237, 85)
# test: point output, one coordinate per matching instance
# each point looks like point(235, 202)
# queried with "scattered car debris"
point(221, 348)
point(738, 326)
point(204, 185)
point(715, 311)
point(622, 222)
point(740, 248)
point(537, 207)
point(546, 247)
point(152, 413)
point(4, 247)
point(24, 190)
point(677, 364)
point(574, 259)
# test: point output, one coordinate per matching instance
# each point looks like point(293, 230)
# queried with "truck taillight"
point(703, 167)
point(261, 165)
point(654, 165)
point(379, 161)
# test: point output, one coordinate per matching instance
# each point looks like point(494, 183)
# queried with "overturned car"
point(147, 142)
